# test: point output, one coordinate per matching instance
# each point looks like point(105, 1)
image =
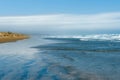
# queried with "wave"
point(100, 37)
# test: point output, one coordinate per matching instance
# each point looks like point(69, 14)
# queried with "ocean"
point(61, 57)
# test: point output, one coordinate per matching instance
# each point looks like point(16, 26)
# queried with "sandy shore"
point(11, 37)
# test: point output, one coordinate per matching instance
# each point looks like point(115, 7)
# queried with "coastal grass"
point(11, 37)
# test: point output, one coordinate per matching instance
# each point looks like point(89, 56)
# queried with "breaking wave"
point(99, 37)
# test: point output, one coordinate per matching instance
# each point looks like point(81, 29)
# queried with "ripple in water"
point(63, 60)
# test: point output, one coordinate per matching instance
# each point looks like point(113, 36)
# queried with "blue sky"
point(60, 15)
point(36, 7)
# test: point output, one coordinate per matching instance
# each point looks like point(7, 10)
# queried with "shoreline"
point(11, 37)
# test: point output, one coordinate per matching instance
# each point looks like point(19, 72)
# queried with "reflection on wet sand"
point(44, 62)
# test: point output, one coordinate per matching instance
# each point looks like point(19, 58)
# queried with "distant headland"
point(11, 37)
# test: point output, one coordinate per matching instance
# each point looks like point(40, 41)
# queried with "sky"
point(60, 16)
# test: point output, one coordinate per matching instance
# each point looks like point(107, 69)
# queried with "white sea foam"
point(111, 37)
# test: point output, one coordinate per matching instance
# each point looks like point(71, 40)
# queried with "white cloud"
point(65, 21)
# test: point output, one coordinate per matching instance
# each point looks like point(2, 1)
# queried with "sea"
point(61, 57)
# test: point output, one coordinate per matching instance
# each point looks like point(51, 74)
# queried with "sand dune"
point(10, 37)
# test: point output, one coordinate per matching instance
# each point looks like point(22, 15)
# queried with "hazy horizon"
point(61, 17)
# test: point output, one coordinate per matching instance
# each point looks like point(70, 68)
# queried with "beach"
point(11, 37)
point(61, 58)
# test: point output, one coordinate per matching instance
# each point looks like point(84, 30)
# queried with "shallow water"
point(56, 58)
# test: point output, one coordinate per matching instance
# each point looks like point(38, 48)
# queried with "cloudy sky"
point(70, 16)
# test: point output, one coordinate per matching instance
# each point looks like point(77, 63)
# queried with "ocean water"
point(61, 57)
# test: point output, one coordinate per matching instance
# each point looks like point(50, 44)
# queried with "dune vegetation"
point(10, 37)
